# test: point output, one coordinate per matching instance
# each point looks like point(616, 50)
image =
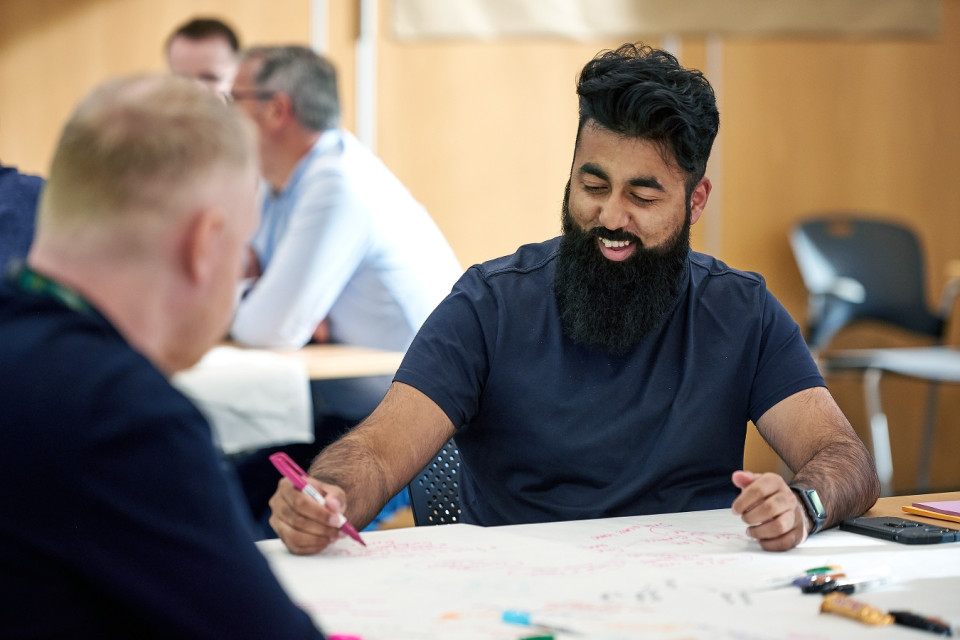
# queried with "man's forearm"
point(844, 475)
point(378, 457)
point(349, 464)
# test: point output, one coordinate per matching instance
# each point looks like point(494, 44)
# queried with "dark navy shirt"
point(18, 212)
point(116, 517)
point(550, 430)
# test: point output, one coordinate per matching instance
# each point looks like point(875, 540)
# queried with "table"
point(671, 576)
point(256, 398)
point(334, 361)
point(891, 507)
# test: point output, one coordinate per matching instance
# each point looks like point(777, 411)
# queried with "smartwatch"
point(812, 505)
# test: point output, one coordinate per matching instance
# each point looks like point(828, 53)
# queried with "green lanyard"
point(27, 279)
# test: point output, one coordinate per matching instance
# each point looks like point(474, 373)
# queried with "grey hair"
point(308, 78)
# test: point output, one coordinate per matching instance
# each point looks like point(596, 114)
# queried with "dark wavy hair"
point(203, 28)
point(643, 92)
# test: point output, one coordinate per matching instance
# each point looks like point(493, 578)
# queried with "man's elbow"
point(870, 479)
point(264, 336)
point(874, 482)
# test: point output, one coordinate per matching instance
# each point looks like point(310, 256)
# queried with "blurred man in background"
point(344, 252)
point(205, 50)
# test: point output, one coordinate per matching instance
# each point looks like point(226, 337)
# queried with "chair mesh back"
point(435, 491)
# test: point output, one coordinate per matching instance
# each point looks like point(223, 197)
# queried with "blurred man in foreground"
point(118, 519)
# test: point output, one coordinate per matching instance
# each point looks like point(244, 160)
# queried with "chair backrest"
point(435, 491)
point(858, 268)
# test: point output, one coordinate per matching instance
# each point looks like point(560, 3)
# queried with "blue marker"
point(817, 578)
point(524, 618)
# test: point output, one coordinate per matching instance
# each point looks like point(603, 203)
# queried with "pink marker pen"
point(292, 472)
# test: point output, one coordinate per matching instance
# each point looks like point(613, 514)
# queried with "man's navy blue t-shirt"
point(117, 519)
point(552, 430)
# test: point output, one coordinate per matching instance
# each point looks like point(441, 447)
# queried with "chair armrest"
point(847, 289)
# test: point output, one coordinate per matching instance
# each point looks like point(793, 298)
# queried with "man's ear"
point(279, 109)
point(698, 199)
point(202, 245)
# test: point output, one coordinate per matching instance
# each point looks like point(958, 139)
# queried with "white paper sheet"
point(690, 575)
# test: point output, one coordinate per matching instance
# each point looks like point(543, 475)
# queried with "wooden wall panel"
point(848, 125)
point(52, 52)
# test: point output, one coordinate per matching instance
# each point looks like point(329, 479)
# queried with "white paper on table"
point(660, 577)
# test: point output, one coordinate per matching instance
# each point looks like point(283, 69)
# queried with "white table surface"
point(687, 575)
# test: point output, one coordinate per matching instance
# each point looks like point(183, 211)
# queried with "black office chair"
point(435, 491)
point(857, 269)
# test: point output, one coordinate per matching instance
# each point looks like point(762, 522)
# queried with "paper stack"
point(943, 510)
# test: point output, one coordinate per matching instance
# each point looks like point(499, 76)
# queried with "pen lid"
point(290, 469)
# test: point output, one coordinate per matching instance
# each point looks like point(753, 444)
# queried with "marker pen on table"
point(817, 578)
point(825, 569)
point(854, 586)
point(524, 618)
point(799, 581)
point(877, 577)
point(292, 472)
point(916, 621)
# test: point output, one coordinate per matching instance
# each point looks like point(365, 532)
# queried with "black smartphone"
point(901, 530)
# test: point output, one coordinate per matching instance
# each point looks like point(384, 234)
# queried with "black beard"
point(613, 305)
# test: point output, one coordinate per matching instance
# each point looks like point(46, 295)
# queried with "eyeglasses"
point(252, 94)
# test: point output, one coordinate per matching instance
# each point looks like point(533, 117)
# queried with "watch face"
point(814, 499)
point(812, 505)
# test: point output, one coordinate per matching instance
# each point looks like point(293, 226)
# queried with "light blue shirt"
point(345, 241)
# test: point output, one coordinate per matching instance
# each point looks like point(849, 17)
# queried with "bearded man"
point(611, 371)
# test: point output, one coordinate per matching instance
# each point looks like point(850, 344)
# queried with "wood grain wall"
point(482, 133)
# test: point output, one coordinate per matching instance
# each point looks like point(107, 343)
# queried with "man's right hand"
point(773, 515)
point(322, 333)
point(303, 524)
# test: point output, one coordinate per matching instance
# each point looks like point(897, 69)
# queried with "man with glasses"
point(344, 252)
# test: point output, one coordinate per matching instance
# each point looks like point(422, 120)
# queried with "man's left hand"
point(774, 516)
